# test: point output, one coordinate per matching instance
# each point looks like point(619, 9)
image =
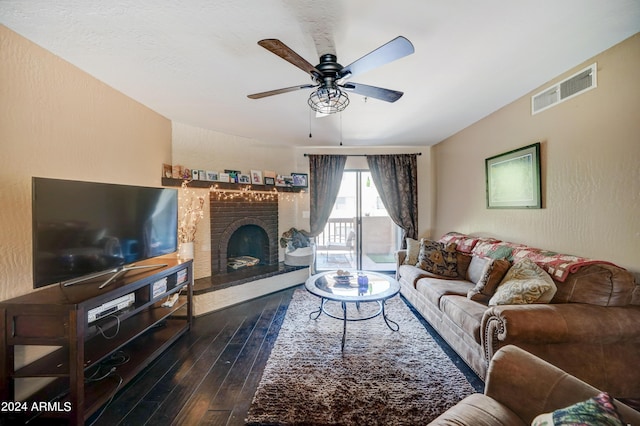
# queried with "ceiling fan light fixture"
point(328, 100)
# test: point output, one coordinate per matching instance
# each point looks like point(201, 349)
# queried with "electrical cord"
point(117, 358)
point(117, 328)
point(113, 395)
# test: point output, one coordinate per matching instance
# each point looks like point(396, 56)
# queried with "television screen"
point(83, 228)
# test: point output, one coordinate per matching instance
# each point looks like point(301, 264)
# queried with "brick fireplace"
point(242, 226)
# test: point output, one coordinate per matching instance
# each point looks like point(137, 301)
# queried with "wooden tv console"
point(94, 360)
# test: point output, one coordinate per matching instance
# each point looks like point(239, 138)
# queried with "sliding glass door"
point(359, 233)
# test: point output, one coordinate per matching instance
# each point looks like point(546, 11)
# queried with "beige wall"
point(57, 121)
point(198, 148)
point(590, 162)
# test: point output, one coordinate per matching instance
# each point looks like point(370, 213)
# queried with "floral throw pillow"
point(598, 410)
point(438, 258)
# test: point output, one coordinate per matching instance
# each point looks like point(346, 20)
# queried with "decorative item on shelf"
point(233, 175)
point(300, 179)
point(191, 210)
point(256, 177)
point(244, 178)
point(212, 176)
point(176, 171)
point(269, 181)
point(167, 170)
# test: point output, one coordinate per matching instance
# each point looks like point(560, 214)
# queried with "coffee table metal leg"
point(387, 320)
point(319, 311)
point(344, 326)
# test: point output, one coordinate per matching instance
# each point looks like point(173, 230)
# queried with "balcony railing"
point(336, 232)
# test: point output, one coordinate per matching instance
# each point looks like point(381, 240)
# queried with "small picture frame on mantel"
point(256, 177)
point(300, 180)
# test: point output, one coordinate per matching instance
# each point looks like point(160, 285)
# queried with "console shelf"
point(58, 315)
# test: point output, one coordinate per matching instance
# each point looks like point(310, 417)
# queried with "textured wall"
point(57, 121)
point(590, 162)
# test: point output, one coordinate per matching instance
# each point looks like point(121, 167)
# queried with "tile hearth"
point(241, 276)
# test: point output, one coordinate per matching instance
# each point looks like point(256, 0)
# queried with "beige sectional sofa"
point(590, 327)
point(520, 387)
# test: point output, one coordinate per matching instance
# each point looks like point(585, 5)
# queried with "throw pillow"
point(525, 283)
point(598, 410)
point(464, 260)
point(413, 250)
point(486, 274)
point(438, 258)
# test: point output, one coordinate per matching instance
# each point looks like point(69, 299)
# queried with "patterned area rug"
point(383, 377)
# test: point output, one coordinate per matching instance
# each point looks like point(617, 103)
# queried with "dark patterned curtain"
point(325, 177)
point(396, 179)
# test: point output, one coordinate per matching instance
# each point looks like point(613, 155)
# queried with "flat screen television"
point(87, 229)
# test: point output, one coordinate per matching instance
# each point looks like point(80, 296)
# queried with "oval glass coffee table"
point(356, 287)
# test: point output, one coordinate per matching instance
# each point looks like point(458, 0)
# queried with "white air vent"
point(566, 89)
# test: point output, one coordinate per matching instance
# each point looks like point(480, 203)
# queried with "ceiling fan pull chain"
point(341, 128)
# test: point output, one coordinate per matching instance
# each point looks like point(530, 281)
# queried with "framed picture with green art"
point(514, 179)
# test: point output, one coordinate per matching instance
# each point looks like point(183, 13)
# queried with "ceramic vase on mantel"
point(185, 251)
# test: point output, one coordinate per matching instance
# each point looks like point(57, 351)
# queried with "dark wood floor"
point(209, 376)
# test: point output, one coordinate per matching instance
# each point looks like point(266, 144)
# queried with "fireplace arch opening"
point(248, 246)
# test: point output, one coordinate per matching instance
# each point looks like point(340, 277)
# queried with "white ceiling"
point(196, 61)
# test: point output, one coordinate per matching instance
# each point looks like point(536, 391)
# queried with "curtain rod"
point(365, 155)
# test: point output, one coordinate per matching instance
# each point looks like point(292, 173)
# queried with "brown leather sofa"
point(590, 328)
point(519, 387)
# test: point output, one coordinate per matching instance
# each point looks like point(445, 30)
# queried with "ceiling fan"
point(329, 77)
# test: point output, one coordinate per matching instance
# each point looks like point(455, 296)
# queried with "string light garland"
point(247, 194)
point(191, 211)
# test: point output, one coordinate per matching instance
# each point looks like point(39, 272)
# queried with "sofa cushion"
point(464, 313)
point(438, 258)
point(413, 250)
point(487, 274)
point(525, 282)
point(434, 288)
point(410, 274)
point(598, 410)
point(478, 410)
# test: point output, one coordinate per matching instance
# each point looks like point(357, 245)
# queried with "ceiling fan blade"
point(373, 92)
point(397, 48)
point(279, 48)
point(279, 91)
